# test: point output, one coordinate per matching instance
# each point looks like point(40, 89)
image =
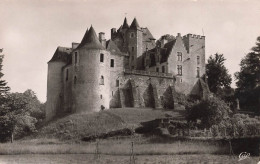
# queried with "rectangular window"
point(198, 60)
point(102, 58)
point(163, 69)
point(179, 69)
point(67, 74)
point(157, 69)
point(133, 58)
point(76, 57)
point(179, 55)
point(112, 63)
point(133, 48)
point(117, 83)
point(198, 71)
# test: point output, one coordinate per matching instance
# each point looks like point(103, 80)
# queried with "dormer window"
point(102, 58)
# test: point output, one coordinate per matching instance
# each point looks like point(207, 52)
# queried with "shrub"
point(211, 111)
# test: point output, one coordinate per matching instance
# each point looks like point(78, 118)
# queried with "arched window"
point(102, 80)
point(75, 80)
point(102, 58)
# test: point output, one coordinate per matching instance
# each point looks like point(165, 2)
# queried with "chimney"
point(102, 39)
point(163, 41)
point(74, 45)
point(113, 31)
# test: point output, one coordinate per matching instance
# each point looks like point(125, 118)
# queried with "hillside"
point(77, 126)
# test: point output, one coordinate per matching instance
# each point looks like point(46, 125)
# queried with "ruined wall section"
point(144, 88)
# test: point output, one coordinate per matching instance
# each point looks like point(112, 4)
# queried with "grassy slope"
point(76, 126)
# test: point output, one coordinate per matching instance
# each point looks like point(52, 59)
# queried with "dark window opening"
point(76, 57)
point(132, 35)
point(112, 93)
point(102, 80)
point(117, 83)
point(157, 69)
point(198, 72)
point(179, 69)
point(67, 74)
point(101, 57)
point(101, 96)
point(133, 48)
point(112, 63)
point(75, 80)
point(163, 69)
point(179, 55)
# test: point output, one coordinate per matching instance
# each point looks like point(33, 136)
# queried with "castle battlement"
point(194, 36)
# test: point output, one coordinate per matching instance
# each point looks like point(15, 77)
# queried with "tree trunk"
point(12, 137)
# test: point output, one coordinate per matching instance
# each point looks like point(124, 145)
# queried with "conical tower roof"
point(135, 24)
point(90, 40)
point(125, 24)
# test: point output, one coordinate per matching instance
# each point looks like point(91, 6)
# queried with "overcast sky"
point(31, 30)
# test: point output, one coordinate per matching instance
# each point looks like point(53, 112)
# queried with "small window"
point(101, 97)
point(132, 35)
point(102, 58)
point(112, 63)
point(76, 57)
point(179, 69)
point(179, 55)
point(198, 71)
point(102, 80)
point(117, 83)
point(181, 80)
point(133, 58)
point(112, 93)
point(198, 60)
point(67, 74)
point(133, 49)
point(157, 69)
point(75, 80)
point(163, 69)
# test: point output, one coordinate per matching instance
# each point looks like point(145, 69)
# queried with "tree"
point(3, 84)
point(248, 79)
point(218, 77)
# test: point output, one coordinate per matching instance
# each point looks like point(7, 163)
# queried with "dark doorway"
point(128, 94)
point(148, 96)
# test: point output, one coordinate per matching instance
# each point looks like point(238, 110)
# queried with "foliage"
point(3, 84)
point(23, 111)
point(218, 77)
point(167, 37)
point(209, 112)
point(248, 78)
point(240, 125)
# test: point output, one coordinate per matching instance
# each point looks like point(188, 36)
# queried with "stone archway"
point(168, 100)
point(148, 96)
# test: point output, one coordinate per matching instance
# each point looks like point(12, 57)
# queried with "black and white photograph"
point(129, 82)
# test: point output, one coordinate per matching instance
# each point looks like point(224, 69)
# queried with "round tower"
point(91, 74)
point(55, 82)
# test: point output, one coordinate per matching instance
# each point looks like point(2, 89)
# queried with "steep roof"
point(125, 24)
point(167, 50)
point(112, 47)
point(147, 36)
point(90, 40)
point(134, 24)
point(61, 54)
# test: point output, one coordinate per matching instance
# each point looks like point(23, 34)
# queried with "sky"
point(31, 30)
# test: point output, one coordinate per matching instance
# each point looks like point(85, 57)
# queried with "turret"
point(135, 43)
point(92, 74)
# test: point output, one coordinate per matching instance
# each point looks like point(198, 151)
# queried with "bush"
point(211, 111)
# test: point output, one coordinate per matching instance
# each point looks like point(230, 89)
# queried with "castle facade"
point(131, 69)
